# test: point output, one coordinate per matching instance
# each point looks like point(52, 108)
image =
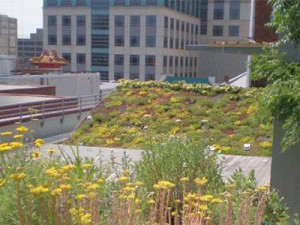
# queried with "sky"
point(28, 12)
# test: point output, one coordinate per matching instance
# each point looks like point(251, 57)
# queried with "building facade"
point(142, 39)
point(29, 48)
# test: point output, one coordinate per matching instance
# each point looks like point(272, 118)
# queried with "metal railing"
point(48, 108)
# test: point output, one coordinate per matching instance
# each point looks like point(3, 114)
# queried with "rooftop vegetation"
point(141, 112)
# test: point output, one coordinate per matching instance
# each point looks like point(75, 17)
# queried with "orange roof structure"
point(49, 60)
point(239, 44)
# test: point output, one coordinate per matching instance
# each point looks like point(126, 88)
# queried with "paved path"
point(261, 165)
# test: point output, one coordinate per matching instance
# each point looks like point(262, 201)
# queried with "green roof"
point(188, 80)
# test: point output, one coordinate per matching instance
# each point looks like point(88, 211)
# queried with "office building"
point(29, 48)
point(145, 39)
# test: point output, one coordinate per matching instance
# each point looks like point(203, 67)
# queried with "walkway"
point(261, 165)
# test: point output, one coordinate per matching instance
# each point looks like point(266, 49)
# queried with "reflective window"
point(52, 20)
point(80, 40)
point(150, 60)
point(134, 60)
point(66, 40)
point(166, 22)
point(80, 58)
point(66, 2)
point(100, 59)
point(100, 41)
point(66, 21)
point(119, 2)
point(219, 9)
point(67, 56)
point(119, 60)
point(151, 21)
point(81, 2)
point(150, 41)
point(134, 41)
point(51, 2)
point(52, 40)
point(217, 30)
point(234, 9)
point(233, 31)
point(151, 2)
point(149, 76)
point(100, 22)
point(103, 4)
point(80, 21)
point(135, 21)
point(135, 2)
point(119, 21)
point(119, 40)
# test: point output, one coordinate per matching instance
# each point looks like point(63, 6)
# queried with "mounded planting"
point(138, 113)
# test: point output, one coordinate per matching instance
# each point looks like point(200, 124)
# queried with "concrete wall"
point(285, 176)
point(7, 64)
point(65, 84)
point(50, 127)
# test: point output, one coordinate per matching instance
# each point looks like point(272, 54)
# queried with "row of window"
point(234, 9)
point(180, 25)
point(150, 41)
point(67, 40)
point(134, 60)
point(135, 20)
point(67, 20)
point(104, 4)
point(233, 31)
point(98, 59)
point(179, 61)
point(37, 49)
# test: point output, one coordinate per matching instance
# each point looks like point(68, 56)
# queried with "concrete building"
point(29, 48)
point(145, 39)
point(8, 44)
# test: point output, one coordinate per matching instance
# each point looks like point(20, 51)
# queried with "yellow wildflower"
point(56, 192)
point(80, 197)
point(6, 133)
point(17, 176)
point(2, 182)
point(184, 179)
point(39, 142)
point(125, 172)
point(175, 214)
point(216, 200)
point(86, 219)
point(51, 151)
point(16, 144)
point(65, 186)
point(206, 198)
point(22, 129)
point(5, 148)
point(123, 179)
point(163, 185)
point(93, 187)
point(86, 166)
point(52, 172)
point(139, 183)
point(68, 167)
point(203, 207)
point(18, 136)
point(36, 154)
point(201, 182)
point(151, 202)
point(37, 191)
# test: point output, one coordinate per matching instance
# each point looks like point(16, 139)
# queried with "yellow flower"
point(65, 186)
point(51, 151)
point(6, 133)
point(52, 172)
point(123, 179)
point(206, 198)
point(39, 142)
point(203, 207)
point(201, 182)
point(56, 192)
point(86, 219)
point(16, 144)
point(139, 184)
point(163, 185)
point(5, 148)
point(217, 200)
point(68, 167)
point(125, 172)
point(93, 187)
point(17, 176)
point(80, 197)
point(22, 129)
point(151, 202)
point(2, 182)
point(37, 191)
point(86, 166)
point(184, 179)
point(265, 144)
point(174, 213)
point(36, 154)
point(18, 136)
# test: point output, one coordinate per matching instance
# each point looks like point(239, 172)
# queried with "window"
point(103, 75)
point(52, 3)
point(186, 61)
point(187, 27)
point(119, 2)
point(135, 2)
point(134, 76)
point(171, 42)
point(66, 2)
point(177, 43)
point(134, 41)
point(192, 29)
point(177, 25)
point(203, 29)
point(80, 40)
point(176, 61)
point(52, 21)
point(80, 21)
point(166, 22)
point(233, 31)
point(100, 59)
point(150, 41)
point(119, 60)
point(182, 44)
point(118, 76)
point(165, 61)
point(80, 59)
point(151, 21)
point(100, 41)
point(66, 21)
point(181, 62)
point(165, 42)
point(66, 40)
point(150, 60)
point(134, 60)
point(191, 61)
point(52, 40)
point(234, 9)
point(172, 24)
point(149, 76)
point(151, 2)
point(182, 26)
point(67, 56)
point(135, 21)
point(119, 21)
point(219, 9)
point(119, 40)
point(100, 22)
point(217, 31)
point(170, 61)
point(81, 2)
point(103, 4)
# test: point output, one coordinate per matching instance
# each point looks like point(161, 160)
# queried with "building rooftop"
point(49, 58)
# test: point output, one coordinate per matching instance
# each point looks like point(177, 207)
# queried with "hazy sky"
point(28, 13)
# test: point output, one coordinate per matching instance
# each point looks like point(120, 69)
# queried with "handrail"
point(48, 106)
